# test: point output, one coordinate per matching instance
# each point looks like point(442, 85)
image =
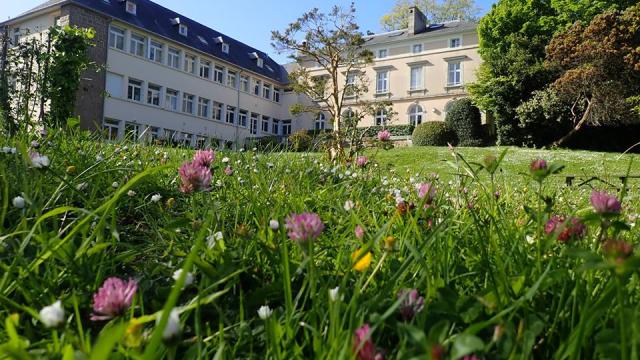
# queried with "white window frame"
point(417, 48)
point(253, 125)
point(382, 82)
point(276, 94)
point(188, 103)
point(381, 118)
point(257, 87)
point(416, 78)
point(266, 90)
point(320, 122)
point(173, 58)
point(205, 69)
point(203, 107)
point(454, 73)
point(183, 30)
point(225, 48)
point(382, 53)
point(260, 62)
point(112, 129)
point(116, 37)
point(134, 87)
point(218, 74)
point(416, 117)
point(275, 126)
point(153, 94)
point(242, 117)
point(264, 127)
point(190, 63)
point(286, 127)
point(155, 51)
point(455, 42)
point(131, 8)
point(231, 115)
point(137, 44)
point(171, 99)
point(218, 109)
point(244, 83)
point(232, 79)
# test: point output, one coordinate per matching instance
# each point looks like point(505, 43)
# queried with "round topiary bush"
point(464, 118)
point(433, 133)
point(300, 141)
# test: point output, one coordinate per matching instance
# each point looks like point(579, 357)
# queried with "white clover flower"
point(82, 186)
point(18, 202)
point(255, 149)
point(40, 161)
point(52, 316)
point(99, 158)
point(274, 224)
point(9, 150)
point(188, 280)
point(131, 193)
point(530, 239)
point(385, 182)
point(349, 205)
point(270, 165)
point(347, 173)
point(156, 197)
point(219, 183)
point(225, 159)
point(115, 185)
point(172, 329)
point(213, 239)
point(264, 312)
point(354, 175)
point(334, 294)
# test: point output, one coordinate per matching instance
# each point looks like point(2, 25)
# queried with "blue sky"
point(251, 21)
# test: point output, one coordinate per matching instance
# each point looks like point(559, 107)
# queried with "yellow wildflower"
point(361, 262)
point(389, 242)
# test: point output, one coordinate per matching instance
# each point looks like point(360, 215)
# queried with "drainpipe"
point(237, 122)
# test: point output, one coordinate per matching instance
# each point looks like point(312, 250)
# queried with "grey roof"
point(452, 27)
point(156, 19)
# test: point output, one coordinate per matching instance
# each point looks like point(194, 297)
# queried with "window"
point(286, 127)
point(455, 42)
point(231, 78)
point(155, 51)
point(225, 48)
point(154, 133)
point(110, 129)
point(16, 36)
point(382, 82)
point(171, 100)
point(242, 118)
point(205, 69)
point(416, 48)
point(265, 124)
point(131, 131)
point(171, 135)
point(201, 142)
point(254, 123)
point(190, 64)
point(203, 107)
point(136, 45)
point(114, 85)
point(244, 83)
point(116, 38)
point(275, 125)
point(276, 94)
point(381, 117)
point(187, 103)
point(415, 115)
point(231, 114)
point(266, 91)
point(186, 139)
point(320, 122)
point(217, 111)
point(382, 53)
point(417, 82)
point(350, 90)
point(455, 73)
point(257, 84)
point(134, 90)
point(153, 95)
point(174, 58)
point(260, 63)
point(131, 8)
point(183, 30)
point(218, 74)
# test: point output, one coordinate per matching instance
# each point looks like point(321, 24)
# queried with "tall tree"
point(513, 37)
point(434, 10)
point(333, 43)
point(600, 68)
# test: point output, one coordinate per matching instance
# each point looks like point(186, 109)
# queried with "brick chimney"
point(417, 21)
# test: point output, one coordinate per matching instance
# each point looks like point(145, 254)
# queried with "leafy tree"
point(434, 10)
point(513, 37)
point(600, 68)
point(334, 43)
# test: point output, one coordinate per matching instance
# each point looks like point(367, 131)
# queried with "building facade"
point(168, 77)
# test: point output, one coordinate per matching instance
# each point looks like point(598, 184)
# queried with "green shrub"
point(433, 133)
point(464, 118)
point(395, 130)
point(300, 141)
point(264, 143)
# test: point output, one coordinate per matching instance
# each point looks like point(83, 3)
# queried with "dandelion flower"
point(361, 262)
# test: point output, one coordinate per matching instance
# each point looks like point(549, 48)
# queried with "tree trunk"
point(563, 140)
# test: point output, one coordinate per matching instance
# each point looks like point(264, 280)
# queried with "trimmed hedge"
point(396, 130)
point(465, 119)
point(433, 133)
point(300, 141)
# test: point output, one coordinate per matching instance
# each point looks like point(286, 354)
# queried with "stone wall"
point(90, 96)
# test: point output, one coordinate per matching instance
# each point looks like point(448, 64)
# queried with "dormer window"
point(225, 48)
point(260, 63)
point(219, 40)
point(131, 7)
point(183, 29)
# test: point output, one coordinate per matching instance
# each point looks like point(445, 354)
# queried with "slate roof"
point(156, 19)
point(452, 27)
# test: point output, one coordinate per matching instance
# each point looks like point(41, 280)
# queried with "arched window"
point(348, 117)
point(415, 114)
point(381, 117)
point(321, 122)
